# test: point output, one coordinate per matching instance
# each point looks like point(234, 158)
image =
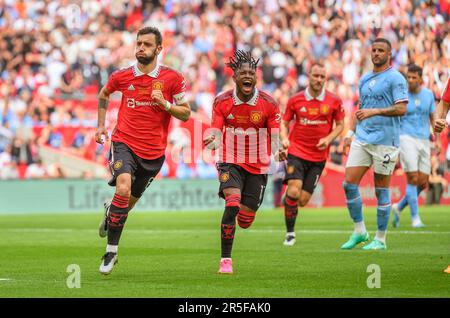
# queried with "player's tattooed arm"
point(103, 98)
point(398, 109)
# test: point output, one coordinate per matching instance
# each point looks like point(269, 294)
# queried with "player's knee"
point(303, 201)
point(123, 190)
point(245, 218)
point(413, 179)
point(293, 192)
point(422, 185)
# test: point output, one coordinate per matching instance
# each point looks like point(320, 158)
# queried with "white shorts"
point(415, 154)
point(383, 158)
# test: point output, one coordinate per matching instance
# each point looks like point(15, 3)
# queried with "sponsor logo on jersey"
point(324, 108)
point(224, 176)
point(307, 122)
point(256, 117)
point(158, 85)
point(117, 164)
point(131, 87)
point(132, 103)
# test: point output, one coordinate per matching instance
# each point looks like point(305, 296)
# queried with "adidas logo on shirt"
point(230, 116)
point(131, 87)
point(303, 109)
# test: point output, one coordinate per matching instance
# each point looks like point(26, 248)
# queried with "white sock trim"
point(112, 248)
point(381, 236)
point(360, 227)
point(290, 234)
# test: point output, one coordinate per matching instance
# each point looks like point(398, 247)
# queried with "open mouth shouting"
point(247, 86)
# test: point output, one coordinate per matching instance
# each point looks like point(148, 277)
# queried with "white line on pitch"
point(159, 231)
point(4, 279)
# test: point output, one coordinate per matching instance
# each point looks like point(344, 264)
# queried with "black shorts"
point(252, 186)
point(307, 171)
point(123, 160)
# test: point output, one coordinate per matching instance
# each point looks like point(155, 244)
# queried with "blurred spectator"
point(437, 182)
point(56, 55)
point(36, 170)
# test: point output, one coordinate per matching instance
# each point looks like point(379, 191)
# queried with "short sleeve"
point(446, 93)
point(113, 84)
point(218, 119)
point(273, 121)
point(289, 111)
point(179, 90)
point(339, 113)
point(399, 89)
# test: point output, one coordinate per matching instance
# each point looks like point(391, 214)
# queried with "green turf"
point(176, 254)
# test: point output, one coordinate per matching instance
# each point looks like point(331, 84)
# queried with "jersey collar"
point(252, 101)
point(137, 72)
point(321, 96)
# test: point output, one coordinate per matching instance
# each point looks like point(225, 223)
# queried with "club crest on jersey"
point(224, 176)
point(255, 117)
point(290, 169)
point(158, 85)
point(417, 102)
point(117, 164)
point(324, 108)
point(313, 111)
point(372, 83)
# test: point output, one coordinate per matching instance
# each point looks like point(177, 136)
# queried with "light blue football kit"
point(376, 143)
point(415, 152)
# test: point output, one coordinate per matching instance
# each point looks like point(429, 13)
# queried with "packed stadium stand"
point(56, 55)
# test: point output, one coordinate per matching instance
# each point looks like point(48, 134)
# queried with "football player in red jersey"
point(151, 95)
point(442, 111)
point(315, 110)
point(249, 120)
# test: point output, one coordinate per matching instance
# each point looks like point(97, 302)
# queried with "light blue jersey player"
point(383, 97)
point(415, 144)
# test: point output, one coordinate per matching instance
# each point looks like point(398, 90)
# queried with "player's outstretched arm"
point(103, 98)
point(398, 109)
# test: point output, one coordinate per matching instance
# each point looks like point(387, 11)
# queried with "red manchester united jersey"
point(313, 120)
point(246, 128)
point(446, 94)
point(141, 123)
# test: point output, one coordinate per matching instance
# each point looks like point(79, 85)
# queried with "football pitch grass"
point(176, 254)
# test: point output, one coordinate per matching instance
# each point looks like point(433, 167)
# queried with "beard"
point(146, 60)
point(381, 62)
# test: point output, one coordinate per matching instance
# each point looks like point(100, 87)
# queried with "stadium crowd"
point(55, 55)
